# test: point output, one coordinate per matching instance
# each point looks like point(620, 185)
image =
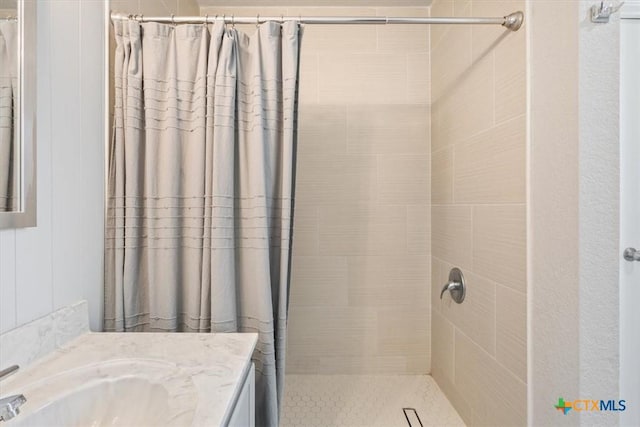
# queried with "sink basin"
point(127, 379)
point(121, 402)
point(116, 393)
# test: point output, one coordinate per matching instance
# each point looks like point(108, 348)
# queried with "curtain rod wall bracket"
point(513, 21)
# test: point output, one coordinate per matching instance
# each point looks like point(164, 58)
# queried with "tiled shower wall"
point(361, 255)
point(156, 7)
point(479, 224)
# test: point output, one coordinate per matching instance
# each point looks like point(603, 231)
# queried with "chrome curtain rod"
point(513, 21)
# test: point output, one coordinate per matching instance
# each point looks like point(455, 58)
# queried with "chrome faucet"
point(10, 406)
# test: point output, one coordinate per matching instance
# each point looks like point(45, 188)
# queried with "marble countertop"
point(202, 373)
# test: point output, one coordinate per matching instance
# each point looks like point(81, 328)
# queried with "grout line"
point(495, 319)
point(472, 244)
point(504, 368)
point(509, 288)
point(453, 353)
point(406, 79)
point(481, 276)
point(15, 278)
point(498, 204)
point(493, 83)
point(467, 139)
point(317, 58)
point(50, 130)
point(377, 30)
point(453, 175)
point(317, 227)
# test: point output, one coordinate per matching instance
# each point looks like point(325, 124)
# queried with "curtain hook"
point(233, 22)
point(206, 19)
point(173, 19)
point(258, 20)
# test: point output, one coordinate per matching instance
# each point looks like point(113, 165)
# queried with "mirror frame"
point(27, 215)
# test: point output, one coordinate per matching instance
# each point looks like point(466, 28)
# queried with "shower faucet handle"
point(451, 286)
point(456, 286)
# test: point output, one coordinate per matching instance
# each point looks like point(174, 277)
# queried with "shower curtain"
point(8, 118)
point(200, 186)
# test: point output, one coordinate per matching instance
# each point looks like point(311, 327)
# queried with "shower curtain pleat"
point(200, 187)
point(9, 190)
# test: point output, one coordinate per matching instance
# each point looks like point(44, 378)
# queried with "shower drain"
point(412, 417)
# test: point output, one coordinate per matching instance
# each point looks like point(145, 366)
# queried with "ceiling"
point(317, 3)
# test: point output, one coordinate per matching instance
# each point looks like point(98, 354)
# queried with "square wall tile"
point(451, 234)
point(465, 105)
point(499, 244)
point(308, 84)
point(318, 281)
point(362, 78)
point(490, 167)
point(388, 129)
point(418, 78)
point(476, 316)
point(511, 331)
point(419, 230)
point(305, 231)
point(403, 38)
point(437, 282)
point(405, 331)
point(389, 281)
point(404, 179)
point(362, 229)
point(322, 130)
point(442, 176)
point(487, 386)
point(510, 77)
point(440, 8)
point(324, 179)
point(447, 70)
point(325, 331)
point(357, 364)
point(442, 338)
point(187, 7)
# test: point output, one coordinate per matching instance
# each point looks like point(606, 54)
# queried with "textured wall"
point(60, 261)
point(360, 287)
point(479, 212)
point(554, 184)
point(599, 107)
point(574, 174)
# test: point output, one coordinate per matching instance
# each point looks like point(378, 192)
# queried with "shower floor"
point(364, 400)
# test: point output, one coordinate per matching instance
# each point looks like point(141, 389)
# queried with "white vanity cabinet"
point(243, 413)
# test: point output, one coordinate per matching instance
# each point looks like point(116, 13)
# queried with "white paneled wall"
point(60, 261)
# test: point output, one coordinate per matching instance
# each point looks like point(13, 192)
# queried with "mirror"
point(17, 113)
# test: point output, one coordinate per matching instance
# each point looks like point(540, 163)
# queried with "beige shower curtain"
point(201, 180)
point(8, 118)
